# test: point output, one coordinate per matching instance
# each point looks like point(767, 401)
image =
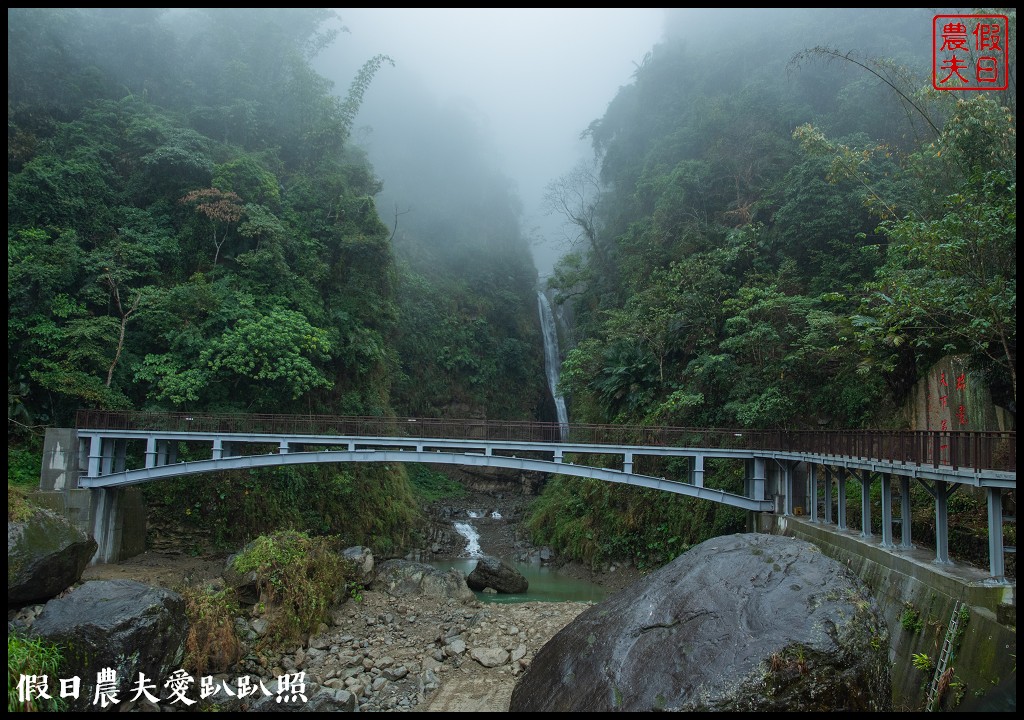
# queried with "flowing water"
point(552, 360)
point(472, 539)
point(546, 584)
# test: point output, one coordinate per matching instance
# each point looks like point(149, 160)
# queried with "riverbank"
point(411, 653)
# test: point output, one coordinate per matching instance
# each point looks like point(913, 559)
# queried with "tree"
point(575, 196)
point(221, 208)
point(949, 283)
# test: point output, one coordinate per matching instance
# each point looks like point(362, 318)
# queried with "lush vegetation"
point(299, 578)
point(597, 522)
point(32, 657)
point(19, 508)
point(759, 256)
point(430, 484)
point(373, 506)
point(191, 227)
point(784, 230)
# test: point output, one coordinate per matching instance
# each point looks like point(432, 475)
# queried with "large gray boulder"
point(120, 624)
point(490, 572)
point(404, 577)
point(45, 556)
point(742, 623)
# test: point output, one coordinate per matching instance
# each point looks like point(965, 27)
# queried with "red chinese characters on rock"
point(948, 398)
point(970, 52)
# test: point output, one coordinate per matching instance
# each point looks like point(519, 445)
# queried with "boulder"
point(245, 585)
point(45, 556)
point(362, 559)
point(403, 577)
point(124, 625)
point(490, 572)
point(748, 622)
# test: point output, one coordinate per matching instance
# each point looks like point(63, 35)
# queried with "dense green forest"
point(789, 236)
point(192, 228)
point(782, 226)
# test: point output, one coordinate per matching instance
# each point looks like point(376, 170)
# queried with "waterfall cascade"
point(552, 360)
point(472, 540)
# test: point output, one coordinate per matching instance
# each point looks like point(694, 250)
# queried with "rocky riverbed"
point(409, 653)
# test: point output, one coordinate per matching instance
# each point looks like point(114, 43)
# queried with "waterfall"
point(552, 361)
point(472, 540)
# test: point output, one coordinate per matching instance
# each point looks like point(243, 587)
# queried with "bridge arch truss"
point(788, 483)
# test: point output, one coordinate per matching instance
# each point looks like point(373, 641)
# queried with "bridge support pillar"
point(218, 449)
point(558, 456)
point(887, 510)
point(95, 456)
point(841, 500)
point(865, 503)
point(283, 447)
point(759, 479)
point(166, 452)
point(698, 471)
point(995, 533)
point(828, 495)
point(905, 514)
point(941, 522)
point(812, 490)
point(150, 452)
point(107, 456)
point(627, 463)
point(787, 488)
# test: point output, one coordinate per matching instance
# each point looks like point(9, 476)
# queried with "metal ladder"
point(947, 651)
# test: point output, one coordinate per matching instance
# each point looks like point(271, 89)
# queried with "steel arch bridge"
point(784, 471)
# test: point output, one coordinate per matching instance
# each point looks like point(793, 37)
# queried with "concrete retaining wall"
point(909, 585)
point(114, 518)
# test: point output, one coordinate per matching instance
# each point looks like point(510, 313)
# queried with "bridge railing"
point(976, 450)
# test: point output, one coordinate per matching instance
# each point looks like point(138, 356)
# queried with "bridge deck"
point(942, 462)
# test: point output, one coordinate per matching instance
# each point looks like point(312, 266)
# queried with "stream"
point(546, 583)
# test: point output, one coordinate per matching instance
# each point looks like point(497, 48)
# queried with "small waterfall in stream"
point(472, 539)
point(552, 360)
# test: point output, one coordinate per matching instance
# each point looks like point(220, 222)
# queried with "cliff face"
point(955, 398)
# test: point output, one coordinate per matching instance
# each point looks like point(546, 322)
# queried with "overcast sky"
point(534, 78)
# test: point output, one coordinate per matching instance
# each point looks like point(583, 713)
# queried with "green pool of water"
point(546, 585)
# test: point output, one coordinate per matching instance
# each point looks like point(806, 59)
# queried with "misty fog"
point(503, 96)
point(480, 93)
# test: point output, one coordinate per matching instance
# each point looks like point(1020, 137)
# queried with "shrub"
point(298, 577)
point(23, 463)
point(910, 619)
point(32, 656)
point(922, 662)
point(212, 644)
